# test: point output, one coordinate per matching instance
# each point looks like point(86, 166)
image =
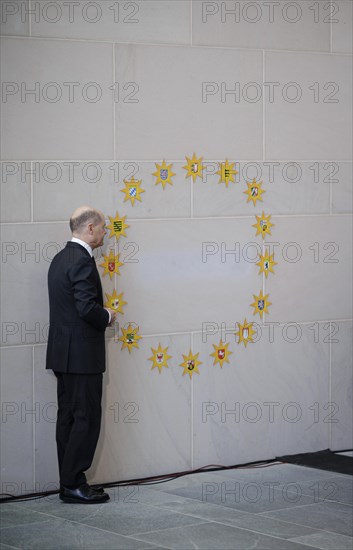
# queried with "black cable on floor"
point(154, 480)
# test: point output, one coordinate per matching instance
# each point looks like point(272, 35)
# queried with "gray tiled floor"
point(283, 507)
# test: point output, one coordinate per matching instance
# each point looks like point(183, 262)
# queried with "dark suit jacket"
point(77, 317)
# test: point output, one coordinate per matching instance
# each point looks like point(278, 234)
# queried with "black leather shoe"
point(83, 494)
point(97, 489)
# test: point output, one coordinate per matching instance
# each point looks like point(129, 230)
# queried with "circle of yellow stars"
point(266, 263)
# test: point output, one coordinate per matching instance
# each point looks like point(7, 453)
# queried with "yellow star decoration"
point(261, 304)
point(245, 332)
point(164, 173)
point(130, 337)
point(221, 353)
point(254, 191)
point(266, 263)
point(194, 167)
point(115, 301)
point(111, 264)
point(117, 226)
point(132, 190)
point(226, 172)
point(159, 357)
point(263, 225)
point(190, 364)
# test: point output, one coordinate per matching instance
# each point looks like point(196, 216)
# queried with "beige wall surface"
point(95, 93)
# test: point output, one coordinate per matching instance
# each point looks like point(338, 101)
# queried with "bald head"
point(82, 217)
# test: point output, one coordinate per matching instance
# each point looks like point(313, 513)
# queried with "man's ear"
point(90, 228)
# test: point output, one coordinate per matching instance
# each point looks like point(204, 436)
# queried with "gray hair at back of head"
point(78, 223)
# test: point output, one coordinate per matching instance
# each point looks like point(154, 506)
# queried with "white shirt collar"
point(82, 243)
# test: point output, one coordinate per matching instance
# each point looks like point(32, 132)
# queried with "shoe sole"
point(79, 501)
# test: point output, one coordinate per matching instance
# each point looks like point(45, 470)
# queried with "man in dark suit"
point(76, 352)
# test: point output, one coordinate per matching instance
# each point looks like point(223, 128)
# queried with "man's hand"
point(112, 316)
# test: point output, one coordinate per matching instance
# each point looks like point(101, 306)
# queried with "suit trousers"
point(78, 424)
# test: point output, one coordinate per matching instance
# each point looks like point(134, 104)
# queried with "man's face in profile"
point(99, 231)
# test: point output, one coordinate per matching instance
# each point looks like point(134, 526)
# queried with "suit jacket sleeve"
point(83, 276)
